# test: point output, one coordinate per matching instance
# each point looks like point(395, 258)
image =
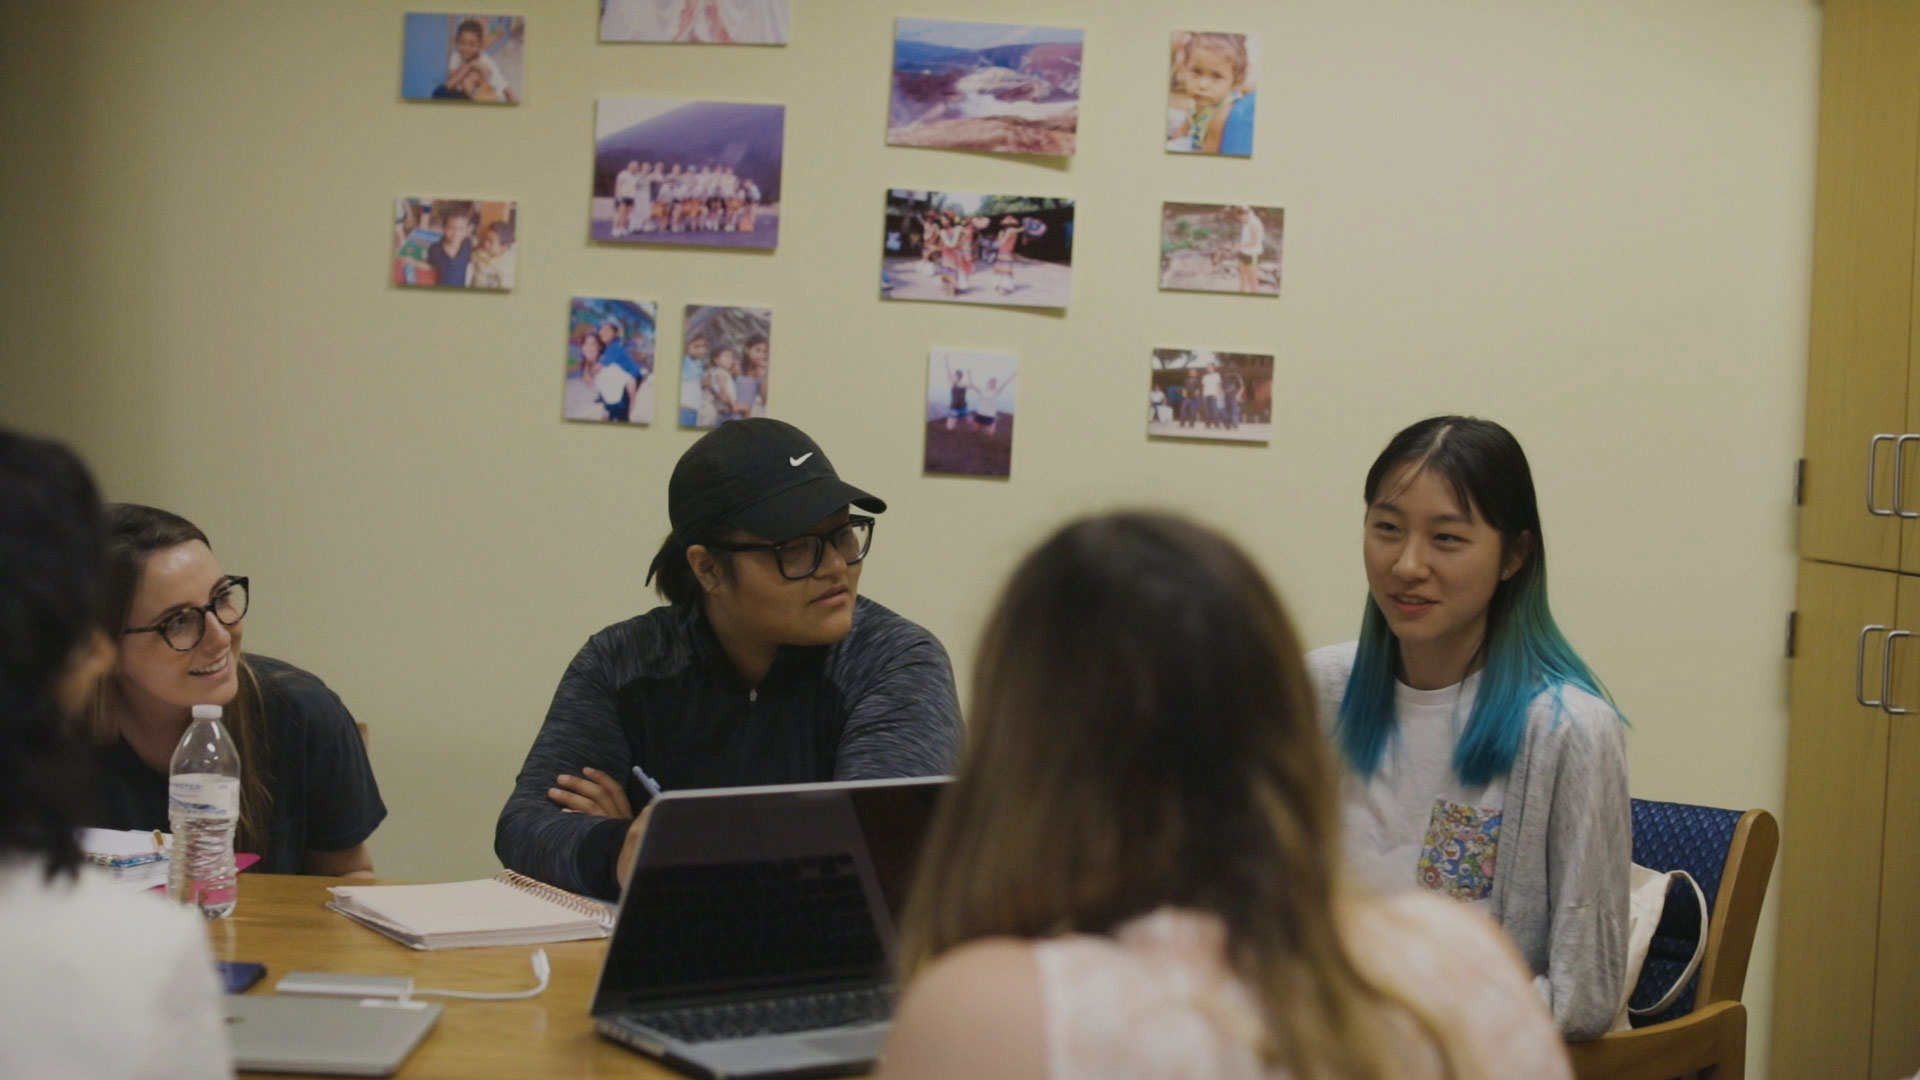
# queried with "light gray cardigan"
point(1566, 839)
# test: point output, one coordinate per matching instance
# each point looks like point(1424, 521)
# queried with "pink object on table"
point(240, 864)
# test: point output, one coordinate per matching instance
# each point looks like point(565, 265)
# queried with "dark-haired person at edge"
point(766, 666)
point(1484, 759)
point(95, 981)
point(308, 800)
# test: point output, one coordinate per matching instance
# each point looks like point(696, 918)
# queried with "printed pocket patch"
point(1457, 857)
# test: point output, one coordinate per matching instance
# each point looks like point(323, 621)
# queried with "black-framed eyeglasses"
point(183, 628)
point(799, 557)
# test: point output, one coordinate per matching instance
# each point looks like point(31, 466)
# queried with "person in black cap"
point(766, 667)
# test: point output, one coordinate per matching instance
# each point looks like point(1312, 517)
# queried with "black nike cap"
point(763, 476)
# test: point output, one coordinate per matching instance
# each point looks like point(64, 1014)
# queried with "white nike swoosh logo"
point(796, 462)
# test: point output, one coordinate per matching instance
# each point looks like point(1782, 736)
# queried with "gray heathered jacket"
point(1566, 839)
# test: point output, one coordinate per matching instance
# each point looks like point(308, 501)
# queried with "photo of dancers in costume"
point(977, 249)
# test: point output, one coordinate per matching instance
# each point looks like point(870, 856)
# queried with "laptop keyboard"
point(773, 1016)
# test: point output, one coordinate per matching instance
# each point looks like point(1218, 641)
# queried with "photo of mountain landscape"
point(985, 86)
point(699, 173)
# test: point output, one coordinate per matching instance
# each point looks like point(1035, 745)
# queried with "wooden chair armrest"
point(1712, 1035)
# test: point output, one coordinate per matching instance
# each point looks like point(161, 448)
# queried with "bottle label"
point(205, 795)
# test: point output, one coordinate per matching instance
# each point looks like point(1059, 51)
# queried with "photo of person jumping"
point(970, 404)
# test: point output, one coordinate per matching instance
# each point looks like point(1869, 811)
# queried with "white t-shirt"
point(626, 185)
point(1210, 384)
point(611, 383)
point(1253, 236)
point(485, 64)
point(1413, 824)
point(102, 983)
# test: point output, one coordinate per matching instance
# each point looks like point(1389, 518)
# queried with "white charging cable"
point(541, 970)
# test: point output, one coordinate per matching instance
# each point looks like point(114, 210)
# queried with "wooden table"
point(279, 922)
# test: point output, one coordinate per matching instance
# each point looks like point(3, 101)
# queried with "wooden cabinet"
point(1858, 384)
point(1823, 1006)
point(1896, 1012)
point(1847, 984)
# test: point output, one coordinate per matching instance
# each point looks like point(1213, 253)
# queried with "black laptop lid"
point(776, 888)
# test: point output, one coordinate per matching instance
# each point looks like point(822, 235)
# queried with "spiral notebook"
point(506, 909)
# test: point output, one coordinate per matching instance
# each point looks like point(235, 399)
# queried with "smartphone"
point(238, 976)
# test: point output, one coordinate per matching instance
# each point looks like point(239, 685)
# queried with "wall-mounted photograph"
point(985, 86)
point(454, 243)
point(696, 22)
point(1203, 394)
point(1212, 92)
point(609, 361)
point(476, 58)
point(969, 248)
point(700, 173)
point(724, 361)
point(1230, 249)
point(970, 400)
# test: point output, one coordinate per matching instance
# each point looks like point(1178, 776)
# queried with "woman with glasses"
point(766, 667)
point(308, 800)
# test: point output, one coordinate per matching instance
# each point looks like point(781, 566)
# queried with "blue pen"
point(653, 789)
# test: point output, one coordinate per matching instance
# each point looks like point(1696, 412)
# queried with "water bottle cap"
point(206, 712)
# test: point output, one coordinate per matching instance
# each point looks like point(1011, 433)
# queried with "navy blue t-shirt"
point(323, 792)
point(450, 269)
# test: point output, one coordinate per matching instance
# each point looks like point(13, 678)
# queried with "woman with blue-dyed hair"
point(1484, 759)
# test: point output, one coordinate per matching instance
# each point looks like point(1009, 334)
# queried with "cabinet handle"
point(1899, 448)
point(1873, 472)
point(1860, 670)
point(1886, 673)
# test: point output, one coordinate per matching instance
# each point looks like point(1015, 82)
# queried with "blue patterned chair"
point(1703, 1035)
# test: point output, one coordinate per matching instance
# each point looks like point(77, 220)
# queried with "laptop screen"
point(773, 888)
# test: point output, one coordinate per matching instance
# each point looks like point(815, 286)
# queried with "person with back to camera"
point(308, 800)
point(765, 667)
point(1485, 762)
point(1137, 872)
point(95, 981)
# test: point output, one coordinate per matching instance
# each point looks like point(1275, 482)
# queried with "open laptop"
point(756, 935)
point(286, 1033)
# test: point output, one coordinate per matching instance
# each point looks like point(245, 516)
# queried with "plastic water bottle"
point(203, 801)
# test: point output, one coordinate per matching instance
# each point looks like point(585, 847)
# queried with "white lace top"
point(1157, 1000)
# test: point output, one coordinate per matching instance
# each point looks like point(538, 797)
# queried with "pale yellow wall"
point(1589, 220)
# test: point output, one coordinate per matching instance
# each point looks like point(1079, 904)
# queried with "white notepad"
point(507, 909)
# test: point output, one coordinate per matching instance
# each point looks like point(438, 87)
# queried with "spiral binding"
point(573, 902)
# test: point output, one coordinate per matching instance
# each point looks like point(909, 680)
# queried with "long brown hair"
point(1144, 734)
point(134, 533)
